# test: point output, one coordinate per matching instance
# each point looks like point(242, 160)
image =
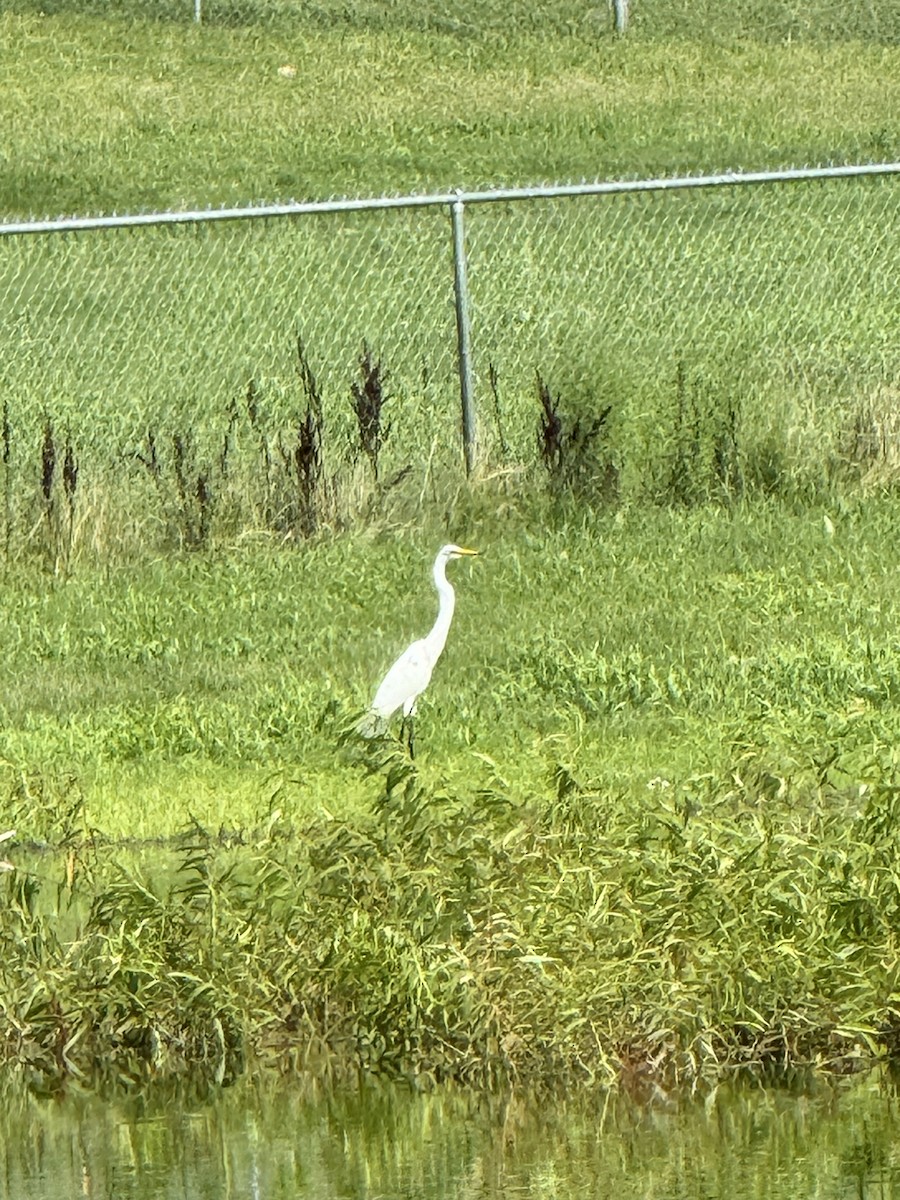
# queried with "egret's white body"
point(410, 675)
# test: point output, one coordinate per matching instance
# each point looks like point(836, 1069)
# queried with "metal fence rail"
point(771, 287)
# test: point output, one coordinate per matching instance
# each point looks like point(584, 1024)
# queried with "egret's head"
point(451, 551)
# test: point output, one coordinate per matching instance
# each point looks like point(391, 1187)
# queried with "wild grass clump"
point(302, 454)
point(58, 487)
point(703, 450)
point(571, 450)
point(243, 470)
point(185, 487)
point(369, 396)
point(871, 444)
point(47, 810)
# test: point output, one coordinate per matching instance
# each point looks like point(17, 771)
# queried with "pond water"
point(275, 1140)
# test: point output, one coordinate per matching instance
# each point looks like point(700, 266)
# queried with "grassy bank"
point(625, 644)
point(745, 923)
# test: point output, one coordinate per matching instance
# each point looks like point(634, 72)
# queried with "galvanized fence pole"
point(621, 8)
point(198, 10)
point(463, 330)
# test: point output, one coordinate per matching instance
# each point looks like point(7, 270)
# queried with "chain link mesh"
point(779, 299)
point(776, 303)
point(114, 332)
point(767, 20)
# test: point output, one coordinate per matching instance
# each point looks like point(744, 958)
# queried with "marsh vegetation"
point(650, 837)
point(651, 828)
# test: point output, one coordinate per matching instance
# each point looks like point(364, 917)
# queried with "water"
point(276, 1140)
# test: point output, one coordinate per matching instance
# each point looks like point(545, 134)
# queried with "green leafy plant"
point(369, 397)
point(570, 449)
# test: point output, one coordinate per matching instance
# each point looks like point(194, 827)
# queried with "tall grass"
point(736, 346)
point(747, 924)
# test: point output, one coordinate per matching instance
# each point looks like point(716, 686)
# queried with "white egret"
point(410, 675)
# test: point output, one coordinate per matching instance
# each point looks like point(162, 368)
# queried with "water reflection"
point(274, 1140)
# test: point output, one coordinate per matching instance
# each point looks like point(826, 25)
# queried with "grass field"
point(651, 830)
point(623, 646)
point(749, 325)
point(661, 745)
point(106, 115)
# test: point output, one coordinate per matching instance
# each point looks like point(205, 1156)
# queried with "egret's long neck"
point(447, 598)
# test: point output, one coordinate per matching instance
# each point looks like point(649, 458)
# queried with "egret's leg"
point(407, 734)
point(411, 719)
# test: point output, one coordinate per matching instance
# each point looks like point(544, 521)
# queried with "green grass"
point(661, 743)
point(623, 645)
point(768, 310)
point(107, 115)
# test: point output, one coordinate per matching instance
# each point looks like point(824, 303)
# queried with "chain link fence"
point(709, 318)
point(119, 330)
point(765, 20)
point(778, 303)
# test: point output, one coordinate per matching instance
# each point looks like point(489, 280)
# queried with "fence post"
point(198, 10)
point(621, 7)
point(463, 331)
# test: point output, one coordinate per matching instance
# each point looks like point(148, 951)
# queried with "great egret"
point(410, 675)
